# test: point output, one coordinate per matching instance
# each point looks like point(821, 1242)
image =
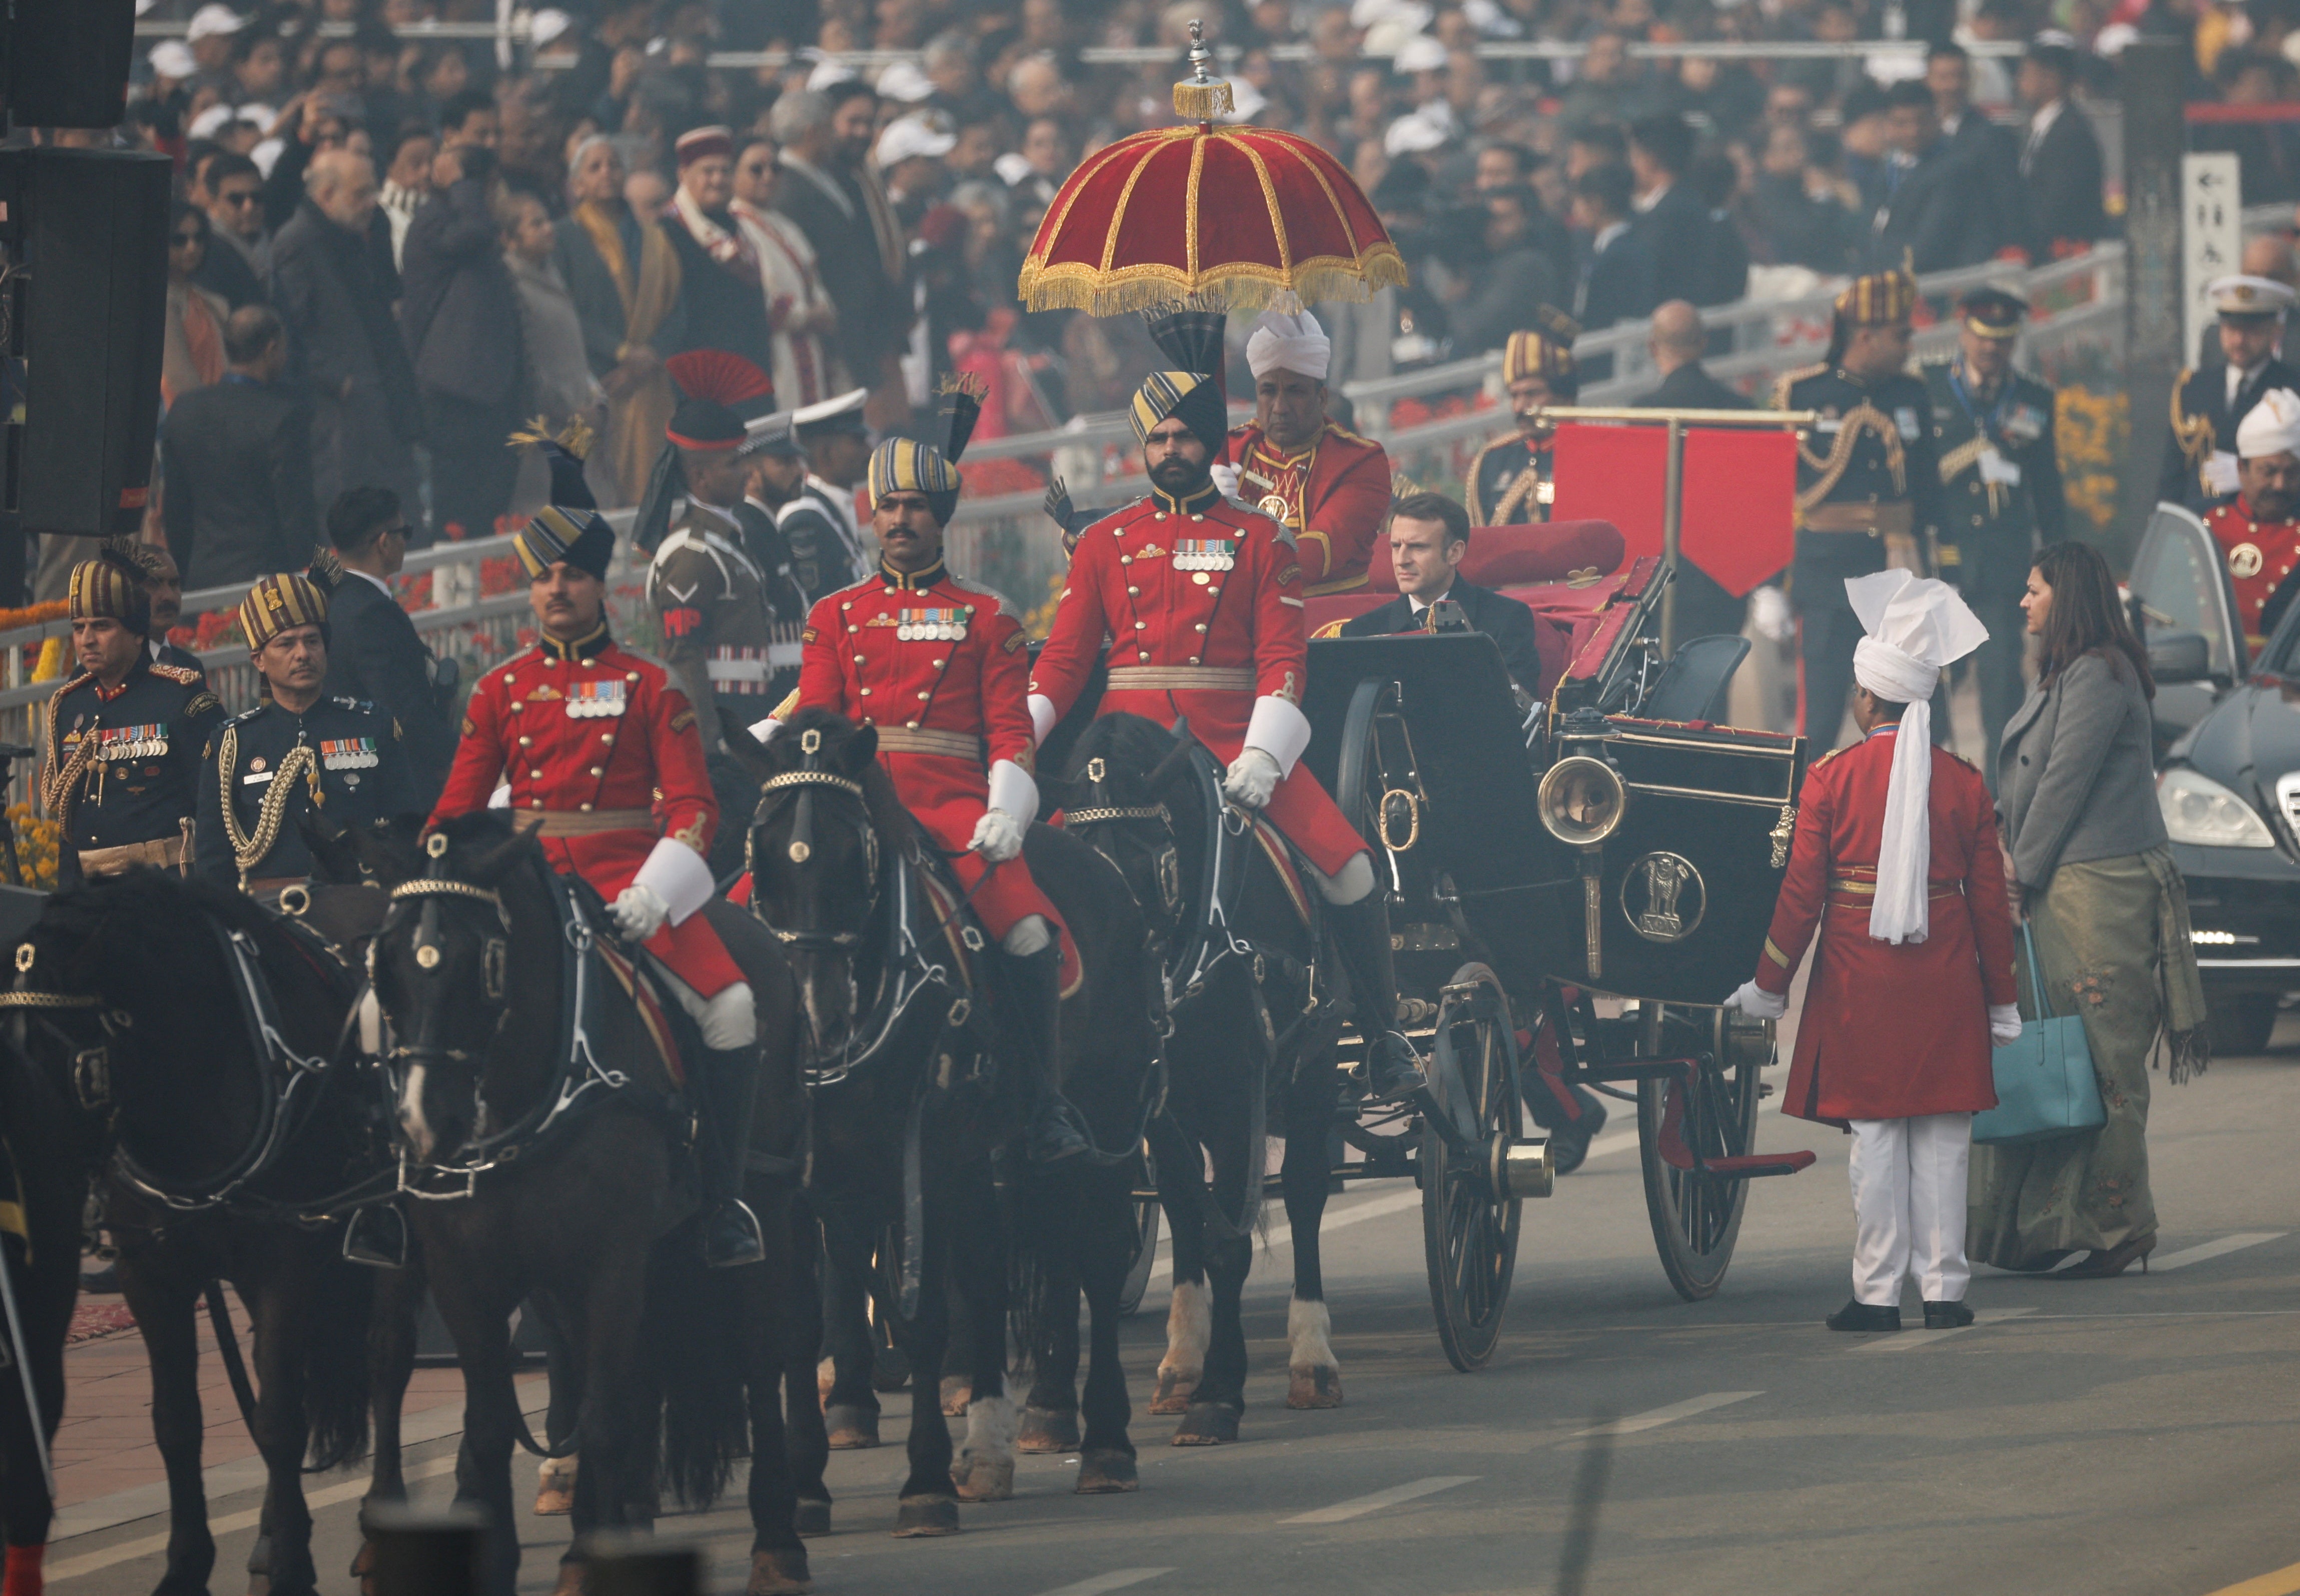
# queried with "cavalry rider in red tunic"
point(1913, 977)
point(593, 740)
point(1203, 599)
point(939, 669)
point(2257, 530)
point(1328, 486)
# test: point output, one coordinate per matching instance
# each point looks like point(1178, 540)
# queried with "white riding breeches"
point(1909, 1207)
point(1030, 934)
point(727, 1021)
point(1354, 880)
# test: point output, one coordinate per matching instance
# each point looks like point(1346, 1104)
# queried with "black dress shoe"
point(1947, 1315)
point(1859, 1316)
point(1392, 1070)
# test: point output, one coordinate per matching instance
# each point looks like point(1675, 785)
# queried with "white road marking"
point(127, 1552)
point(2221, 1248)
point(1117, 1579)
point(1917, 1341)
point(1652, 1419)
point(1359, 1505)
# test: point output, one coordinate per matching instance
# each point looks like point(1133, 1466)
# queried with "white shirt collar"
point(1605, 235)
point(1421, 603)
point(1645, 202)
point(2237, 380)
point(2044, 119)
point(379, 585)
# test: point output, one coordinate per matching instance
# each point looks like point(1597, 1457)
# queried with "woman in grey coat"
point(2091, 872)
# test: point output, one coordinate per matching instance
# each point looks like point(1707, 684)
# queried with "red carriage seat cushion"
point(1508, 556)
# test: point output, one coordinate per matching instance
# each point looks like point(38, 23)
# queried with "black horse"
point(537, 1105)
point(197, 1039)
point(910, 1117)
point(1252, 1053)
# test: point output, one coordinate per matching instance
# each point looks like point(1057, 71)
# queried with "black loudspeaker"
point(87, 232)
point(67, 62)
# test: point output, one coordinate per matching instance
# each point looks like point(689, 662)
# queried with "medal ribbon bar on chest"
point(1204, 554)
point(591, 699)
point(930, 626)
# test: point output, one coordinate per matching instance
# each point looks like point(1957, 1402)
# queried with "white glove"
point(1756, 1002)
point(1225, 478)
point(764, 730)
point(997, 836)
point(639, 912)
point(1252, 777)
point(1770, 616)
point(2003, 1024)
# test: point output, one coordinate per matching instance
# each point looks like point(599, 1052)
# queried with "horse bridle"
point(91, 1066)
point(1168, 859)
point(494, 952)
point(807, 781)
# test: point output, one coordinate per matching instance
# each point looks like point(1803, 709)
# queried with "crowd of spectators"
point(452, 234)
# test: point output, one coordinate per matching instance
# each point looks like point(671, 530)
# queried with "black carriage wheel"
point(1469, 1239)
point(1696, 1218)
point(1136, 1283)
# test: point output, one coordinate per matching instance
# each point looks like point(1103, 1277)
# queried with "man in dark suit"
point(374, 654)
point(1669, 218)
point(237, 458)
point(1704, 608)
point(1617, 275)
point(1930, 217)
point(1428, 535)
point(829, 190)
point(2059, 161)
point(1991, 154)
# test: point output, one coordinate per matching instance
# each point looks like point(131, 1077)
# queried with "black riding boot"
point(1029, 1027)
point(1362, 937)
point(726, 1084)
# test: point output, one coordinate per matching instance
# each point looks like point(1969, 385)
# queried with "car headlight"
point(1582, 800)
point(2202, 812)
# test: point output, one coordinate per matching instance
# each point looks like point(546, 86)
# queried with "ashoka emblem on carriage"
point(1664, 897)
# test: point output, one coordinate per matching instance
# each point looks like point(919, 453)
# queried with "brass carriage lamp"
point(1582, 801)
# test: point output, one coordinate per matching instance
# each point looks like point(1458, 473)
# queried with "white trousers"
point(1908, 1207)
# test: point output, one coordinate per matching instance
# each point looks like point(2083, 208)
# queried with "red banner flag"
point(1738, 519)
point(1614, 474)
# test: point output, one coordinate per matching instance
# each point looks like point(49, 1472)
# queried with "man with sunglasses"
point(375, 653)
point(238, 255)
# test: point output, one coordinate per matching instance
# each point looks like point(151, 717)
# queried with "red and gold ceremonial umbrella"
point(1222, 217)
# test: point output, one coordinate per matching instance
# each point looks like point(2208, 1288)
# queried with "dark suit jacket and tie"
point(375, 655)
point(1935, 217)
point(2061, 172)
point(1675, 236)
point(1617, 285)
point(1704, 608)
point(1508, 621)
point(236, 456)
point(1992, 155)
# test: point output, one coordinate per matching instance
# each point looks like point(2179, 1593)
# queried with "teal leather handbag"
point(2044, 1081)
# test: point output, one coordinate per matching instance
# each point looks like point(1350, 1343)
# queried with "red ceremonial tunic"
point(941, 667)
point(596, 740)
point(1202, 599)
point(2260, 556)
point(1890, 1032)
point(1333, 496)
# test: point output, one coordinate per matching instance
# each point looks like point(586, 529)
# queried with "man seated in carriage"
point(937, 668)
point(1429, 535)
point(1203, 599)
point(296, 749)
point(591, 741)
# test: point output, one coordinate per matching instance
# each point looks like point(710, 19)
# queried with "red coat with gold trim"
point(2262, 556)
point(589, 728)
point(1336, 494)
point(1201, 583)
point(1890, 1032)
point(931, 653)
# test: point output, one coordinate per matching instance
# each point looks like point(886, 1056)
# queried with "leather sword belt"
point(912, 739)
point(167, 851)
point(588, 822)
point(1182, 678)
point(1874, 521)
point(1865, 886)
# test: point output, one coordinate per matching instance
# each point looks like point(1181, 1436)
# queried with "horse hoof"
point(957, 1391)
point(779, 1573)
point(571, 1579)
point(917, 1516)
point(1048, 1430)
point(1313, 1387)
point(890, 1371)
point(851, 1428)
point(1104, 1472)
point(983, 1478)
point(1172, 1395)
point(1207, 1423)
point(811, 1517)
point(554, 1501)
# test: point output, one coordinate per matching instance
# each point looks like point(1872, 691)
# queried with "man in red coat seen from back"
point(1896, 864)
point(1325, 485)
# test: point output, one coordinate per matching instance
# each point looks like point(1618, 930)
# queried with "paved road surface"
point(2134, 1435)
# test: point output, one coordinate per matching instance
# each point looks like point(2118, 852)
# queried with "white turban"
point(1282, 343)
point(1917, 629)
point(2271, 426)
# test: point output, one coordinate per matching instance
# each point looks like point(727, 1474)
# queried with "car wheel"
point(2242, 1022)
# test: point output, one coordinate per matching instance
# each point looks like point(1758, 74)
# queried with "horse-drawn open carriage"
point(1573, 892)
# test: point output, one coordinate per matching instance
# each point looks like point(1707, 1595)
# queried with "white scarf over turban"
point(1917, 629)
point(2271, 426)
point(1283, 343)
